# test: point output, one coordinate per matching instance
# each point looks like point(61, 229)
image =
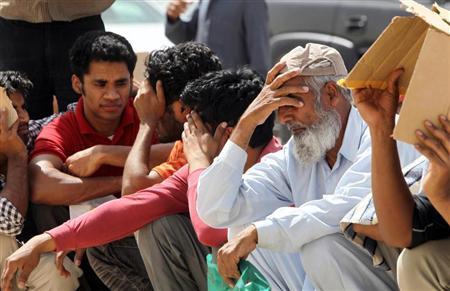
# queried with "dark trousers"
point(119, 265)
point(41, 50)
point(173, 256)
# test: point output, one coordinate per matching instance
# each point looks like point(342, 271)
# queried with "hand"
point(436, 147)
point(199, 147)
point(10, 142)
point(233, 251)
point(273, 96)
point(150, 105)
point(86, 162)
point(177, 7)
point(378, 107)
point(59, 261)
point(25, 260)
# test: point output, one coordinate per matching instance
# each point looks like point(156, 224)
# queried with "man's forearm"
point(242, 133)
point(137, 164)
point(114, 155)
point(53, 187)
point(392, 198)
point(16, 189)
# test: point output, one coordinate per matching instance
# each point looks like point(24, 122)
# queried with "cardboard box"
point(421, 45)
point(5, 102)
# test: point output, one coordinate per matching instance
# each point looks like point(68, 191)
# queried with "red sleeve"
point(55, 138)
point(118, 218)
point(207, 235)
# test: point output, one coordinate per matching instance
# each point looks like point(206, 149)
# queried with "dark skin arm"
point(393, 201)
point(435, 145)
point(11, 146)
point(51, 186)
point(150, 106)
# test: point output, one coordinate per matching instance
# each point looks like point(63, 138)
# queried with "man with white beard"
point(329, 137)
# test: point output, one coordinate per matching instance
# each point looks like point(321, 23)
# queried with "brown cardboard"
point(5, 102)
point(421, 45)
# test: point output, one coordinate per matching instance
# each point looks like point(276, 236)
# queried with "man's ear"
point(333, 93)
point(77, 85)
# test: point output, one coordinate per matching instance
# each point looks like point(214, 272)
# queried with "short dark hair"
point(14, 81)
point(177, 65)
point(224, 96)
point(100, 46)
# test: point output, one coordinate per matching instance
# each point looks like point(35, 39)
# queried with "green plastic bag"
point(251, 279)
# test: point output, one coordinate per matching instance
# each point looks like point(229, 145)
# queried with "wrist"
point(253, 233)
point(198, 163)
point(100, 154)
point(381, 131)
point(17, 155)
point(43, 243)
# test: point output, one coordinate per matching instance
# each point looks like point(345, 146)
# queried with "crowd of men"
point(152, 183)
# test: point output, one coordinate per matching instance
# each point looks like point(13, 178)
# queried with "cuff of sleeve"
point(63, 237)
point(233, 155)
point(267, 233)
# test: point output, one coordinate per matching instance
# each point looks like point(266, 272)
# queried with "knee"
point(314, 253)
point(156, 231)
point(411, 261)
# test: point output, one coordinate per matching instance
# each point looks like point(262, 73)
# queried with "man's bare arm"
point(143, 157)
point(16, 188)
point(392, 199)
point(13, 148)
point(150, 106)
point(50, 185)
point(371, 231)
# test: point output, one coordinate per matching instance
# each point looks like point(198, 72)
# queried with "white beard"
point(312, 144)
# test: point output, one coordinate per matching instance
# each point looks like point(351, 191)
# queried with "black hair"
point(14, 81)
point(100, 46)
point(224, 96)
point(176, 66)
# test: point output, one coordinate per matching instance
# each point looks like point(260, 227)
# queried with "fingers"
point(191, 124)
point(3, 120)
point(227, 267)
point(59, 261)
point(288, 90)
point(198, 122)
point(79, 253)
point(392, 81)
point(7, 276)
point(24, 274)
point(429, 154)
point(433, 149)
point(445, 123)
point(274, 72)
point(160, 93)
point(287, 101)
point(281, 79)
point(220, 132)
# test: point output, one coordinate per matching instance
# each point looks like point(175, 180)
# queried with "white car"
point(141, 22)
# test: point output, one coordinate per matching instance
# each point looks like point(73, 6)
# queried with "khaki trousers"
point(45, 276)
point(426, 267)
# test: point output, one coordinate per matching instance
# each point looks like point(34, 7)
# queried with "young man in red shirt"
point(80, 156)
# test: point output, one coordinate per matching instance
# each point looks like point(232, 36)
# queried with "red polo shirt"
point(71, 133)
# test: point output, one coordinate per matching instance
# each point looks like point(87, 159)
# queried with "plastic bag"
point(251, 279)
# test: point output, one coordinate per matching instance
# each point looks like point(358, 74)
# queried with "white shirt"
point(265, 193)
